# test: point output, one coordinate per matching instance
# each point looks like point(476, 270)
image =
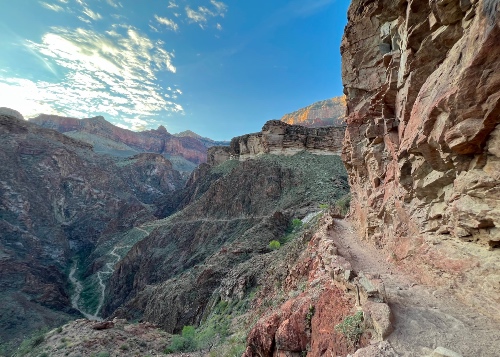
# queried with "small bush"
point(343, 204)
point(296, 223)
point(184, 342)
point(274, 245)
point(324, 206)
point(351, 327)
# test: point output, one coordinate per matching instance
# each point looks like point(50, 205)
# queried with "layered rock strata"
point(105, 136)
point(422, 145)
point(330, 112)
point(280, 138)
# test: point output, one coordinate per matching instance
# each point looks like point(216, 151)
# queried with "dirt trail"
point(75, 298)
point(109, 269)
point(424, 317)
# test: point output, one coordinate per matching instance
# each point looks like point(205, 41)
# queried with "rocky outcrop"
point(422, 80)
point(108, 338)
point(111, 139)
point(58, 200)
point(232, 213)
point(280, 138)
point(332, 290)
point(330, 112)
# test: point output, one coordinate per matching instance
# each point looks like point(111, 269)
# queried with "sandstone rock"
point(330, 112)
point(444, 352)
point(104, 325)
point(11, 113)
point(281, 139)
point(434, 169)
point(379, 314)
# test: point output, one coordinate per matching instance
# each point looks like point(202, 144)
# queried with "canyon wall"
point(102, 134)
point(280, 138)
point(323, 113)
point(422, 145)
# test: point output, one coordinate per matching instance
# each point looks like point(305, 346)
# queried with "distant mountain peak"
point(189, 133)
point(162, 129)
point(329, 112)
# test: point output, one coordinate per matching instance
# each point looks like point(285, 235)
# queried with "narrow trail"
point(425, 317)
point(75, 298)
point(109, 269)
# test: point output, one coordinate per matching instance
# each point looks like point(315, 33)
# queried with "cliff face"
point(57, 200)
point(330, 112)
point(105, 136)
point(280, 138)
point(422, 145)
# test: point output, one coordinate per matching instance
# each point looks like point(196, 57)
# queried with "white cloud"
point(113, 73)
point(219, 27)
point(114, 4)
point(53, 7)
point(202, 14)
point(93, 15)
point(195, 16)
point(172, 5)
point(167, 22)
point(220, 6)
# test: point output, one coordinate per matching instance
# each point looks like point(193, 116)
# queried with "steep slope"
point(57, 200)
point(186, 151)
point(422, 81)
point(329, 112)
point(232, 210)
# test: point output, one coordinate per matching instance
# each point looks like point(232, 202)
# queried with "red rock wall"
point(423, 142)
point(422, 146)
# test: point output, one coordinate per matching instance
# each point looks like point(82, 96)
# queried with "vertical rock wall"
point(422, 147)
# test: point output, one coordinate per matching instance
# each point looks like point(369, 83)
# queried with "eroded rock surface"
point(422, 80)
point(111, 139)
point(280, 138)
point(329, 112)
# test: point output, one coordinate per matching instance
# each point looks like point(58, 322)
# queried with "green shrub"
point(274, 245)
point(184, 342)
point(343, 204)
point(324, 206)
point(29, 344)
point(351, 327)
point(296, 223)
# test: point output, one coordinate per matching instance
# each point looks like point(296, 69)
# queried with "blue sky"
point(219, 68)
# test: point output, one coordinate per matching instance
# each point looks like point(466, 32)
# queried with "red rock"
point(104, 325)
point(422, 80)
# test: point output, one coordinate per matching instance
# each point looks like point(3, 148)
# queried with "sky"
point(218, 68)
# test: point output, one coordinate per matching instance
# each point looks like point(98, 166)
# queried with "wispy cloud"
point(53, 7)
point(113, 73)
point(167, 22)
point(201, 15)
point(93, 15)
point(172, 5)
point(114, 4)
point(218, 27)
point(220, 6)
